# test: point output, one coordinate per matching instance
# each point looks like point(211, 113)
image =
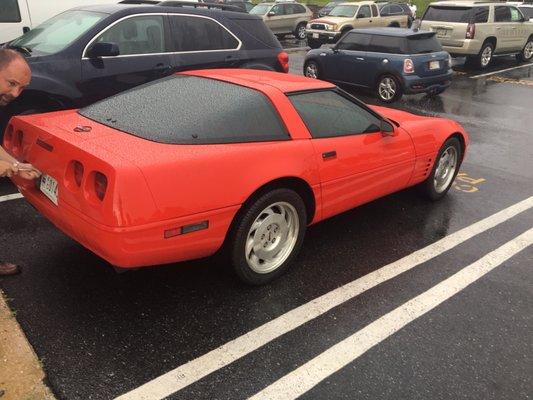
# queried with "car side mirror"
point(271, 14)
point(103, 49)
point(387, 129)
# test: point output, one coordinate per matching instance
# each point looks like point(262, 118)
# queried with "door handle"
point(498, 28)
point(329, 154)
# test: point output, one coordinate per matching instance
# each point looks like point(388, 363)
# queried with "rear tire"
point(267, 236)
point(527, 52)
point(388, 89)
point(445, 169)
point(484, 58)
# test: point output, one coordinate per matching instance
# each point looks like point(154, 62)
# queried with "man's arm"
point(6, 157)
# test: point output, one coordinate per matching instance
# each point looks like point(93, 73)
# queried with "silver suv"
point(479, 30)
point(284, 17)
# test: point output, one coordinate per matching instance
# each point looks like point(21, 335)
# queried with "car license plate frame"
point(433, 65)
point(316, 35)
point(49, 187)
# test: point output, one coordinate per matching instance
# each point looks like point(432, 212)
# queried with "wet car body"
point(363, 56)
point(136, 192)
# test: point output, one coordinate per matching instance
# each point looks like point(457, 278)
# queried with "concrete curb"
point(21, 373)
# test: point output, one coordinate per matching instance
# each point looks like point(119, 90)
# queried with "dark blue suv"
point(391, 61)
point(89, 53)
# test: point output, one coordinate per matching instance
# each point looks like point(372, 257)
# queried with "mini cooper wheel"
point(311, 70)
point(267, 236)
point(299, 32)
point(527, 52)
point(388, 89)
point(445, 169)
point(484, 57)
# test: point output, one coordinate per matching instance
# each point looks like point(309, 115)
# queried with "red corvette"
point(175, 169)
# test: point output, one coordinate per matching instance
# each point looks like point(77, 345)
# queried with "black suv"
point(90, 53)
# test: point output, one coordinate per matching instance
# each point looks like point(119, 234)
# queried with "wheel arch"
point(459, 136)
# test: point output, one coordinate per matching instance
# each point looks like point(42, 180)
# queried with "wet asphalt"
point(100, 334)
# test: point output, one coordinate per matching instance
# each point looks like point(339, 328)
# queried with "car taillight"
point(283, 59)
point(78, 172)
point(100, 185)
point(408, 66)
point(470, 31)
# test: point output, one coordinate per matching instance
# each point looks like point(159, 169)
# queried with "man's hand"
point(6, 169)
point(26, 171)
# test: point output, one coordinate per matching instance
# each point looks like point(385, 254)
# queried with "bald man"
point(15, 75)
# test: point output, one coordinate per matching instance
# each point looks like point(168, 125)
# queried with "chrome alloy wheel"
point(311, 71)
point(272, 237)
point(528, 50)
point(300, 32)
point(486, 56)
point(387, 88)
point(445, 171)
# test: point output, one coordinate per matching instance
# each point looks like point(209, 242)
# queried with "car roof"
point(466, 3)
point(127, 9)
point(397, 32)
point(357, 3)
point(260, 79)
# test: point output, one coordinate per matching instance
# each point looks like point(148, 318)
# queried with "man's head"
point(15, 75)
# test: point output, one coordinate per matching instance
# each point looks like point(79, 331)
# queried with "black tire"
point(428, 187)
point(311, 66)
point(479, 59)
point(242, 229)
point(394, 25)
point(523, 55)
point(314, 44)
point(395, 85)
point(299, 33)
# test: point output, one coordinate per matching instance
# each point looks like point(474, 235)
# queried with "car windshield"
point(58, 32)
point(448, 14)
point(343, 11)
point(527, 11)
point(260, 9)
point(423, 44)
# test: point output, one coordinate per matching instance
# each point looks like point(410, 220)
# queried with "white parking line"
point(226, 354)
point(11, 197)
point(500, 71)
point(304, 378)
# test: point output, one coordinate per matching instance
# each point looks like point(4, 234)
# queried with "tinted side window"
point(396, 9)
point(328, 114)
point(364, 12)
point(257, 29)
point(299, 9)
point(354, 42)
point(277, 9)
point(527, 11)
point(481, 15)
point(374, 10)
point(138, 35)
point(386, 44)
point(248, 6)
point(196, 34)
point(516, 16)
point(502, 14)
point(9, 11)
point(423, 44)
point(168, 111)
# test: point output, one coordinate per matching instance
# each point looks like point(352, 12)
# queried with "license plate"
point(434, 65)
point(315, 35)
point(442, 32)
point(49, 188)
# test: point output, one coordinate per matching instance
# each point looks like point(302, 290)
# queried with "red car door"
point(357, 161)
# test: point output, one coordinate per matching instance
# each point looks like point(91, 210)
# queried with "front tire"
point(311, 70)
point(267, 236)
point(527, 52)
point(445, 169)
point(388, 89)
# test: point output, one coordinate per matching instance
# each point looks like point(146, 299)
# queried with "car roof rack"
point(224, 7)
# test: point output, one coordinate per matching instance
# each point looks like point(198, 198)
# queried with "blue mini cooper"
point(390, 61)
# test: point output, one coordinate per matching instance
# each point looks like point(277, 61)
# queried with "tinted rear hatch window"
point(448, 14)
point(191, 110)
point(423, 44)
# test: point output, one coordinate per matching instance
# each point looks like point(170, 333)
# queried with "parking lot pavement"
point(191, 330)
